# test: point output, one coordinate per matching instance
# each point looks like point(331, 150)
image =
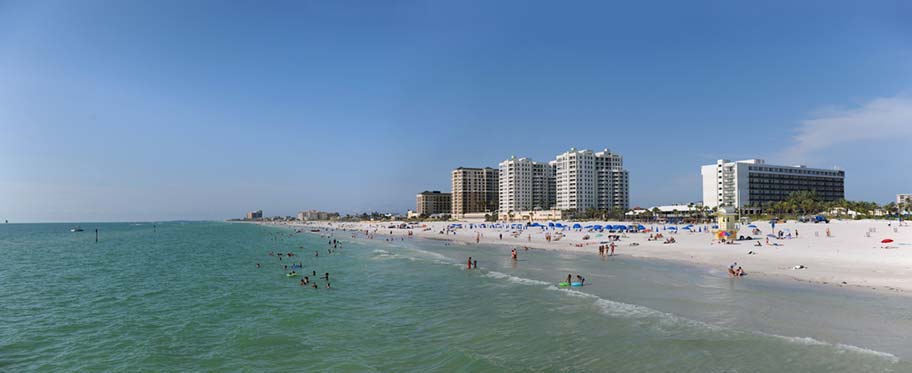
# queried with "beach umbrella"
point(672, 228)
point(771, 235)
point(752, 226)
point(686, 228)
point(641, 227)
point(551, 224)
point(599, 227)
point(577, 226)
point(886, 240)
point(726, 234)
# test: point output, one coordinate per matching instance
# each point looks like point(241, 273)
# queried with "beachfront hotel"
point(903, 198)
point(310, 215)
point(752, 182)
point(253, 215)
point(430, 203)
point(526, 185)
point(586, 179)
point(474, 191)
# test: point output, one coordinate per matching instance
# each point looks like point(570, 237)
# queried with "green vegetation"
point(805, 203)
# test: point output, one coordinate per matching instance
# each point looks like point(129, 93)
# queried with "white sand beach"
point(851, 256)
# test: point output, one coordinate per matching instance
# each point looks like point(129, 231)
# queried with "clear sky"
point(153, 110)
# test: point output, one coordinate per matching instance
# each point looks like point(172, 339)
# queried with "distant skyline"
point(168, 110)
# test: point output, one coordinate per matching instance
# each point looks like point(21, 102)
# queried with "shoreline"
point(829, 260)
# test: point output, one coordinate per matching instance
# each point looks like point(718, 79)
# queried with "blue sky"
point(153, 110)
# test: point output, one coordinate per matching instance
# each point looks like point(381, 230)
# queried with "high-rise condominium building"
point(430, 203)
point(474, 190)
point(585, 179)
point(525, 185)
point(754, 183)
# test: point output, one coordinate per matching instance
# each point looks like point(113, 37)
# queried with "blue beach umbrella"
point(577, 226)
point(752, 226)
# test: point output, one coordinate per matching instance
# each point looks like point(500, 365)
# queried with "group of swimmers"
point(735, 272)
point(306, 280)
point(580, 279)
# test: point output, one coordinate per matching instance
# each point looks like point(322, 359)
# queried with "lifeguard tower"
point(726, 219)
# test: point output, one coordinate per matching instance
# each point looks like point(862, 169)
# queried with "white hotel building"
point(754, 183)
point(525, 185)
point(585, 179)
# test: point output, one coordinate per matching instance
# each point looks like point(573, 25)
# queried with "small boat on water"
point(76, 229)
point(315, 230)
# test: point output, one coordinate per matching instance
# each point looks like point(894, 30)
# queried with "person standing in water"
point(476, 264)
point(513, 254)
point(569, 277)
point(469, 263)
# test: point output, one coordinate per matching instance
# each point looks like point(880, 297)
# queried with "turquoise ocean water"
point(188, 297)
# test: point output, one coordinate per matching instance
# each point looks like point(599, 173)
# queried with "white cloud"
point(878, 119)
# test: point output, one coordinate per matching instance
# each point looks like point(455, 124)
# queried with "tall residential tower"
point(474, 191)
point(526, 185)
point(585, 179)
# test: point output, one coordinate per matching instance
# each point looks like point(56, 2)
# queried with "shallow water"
point(188, 296)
